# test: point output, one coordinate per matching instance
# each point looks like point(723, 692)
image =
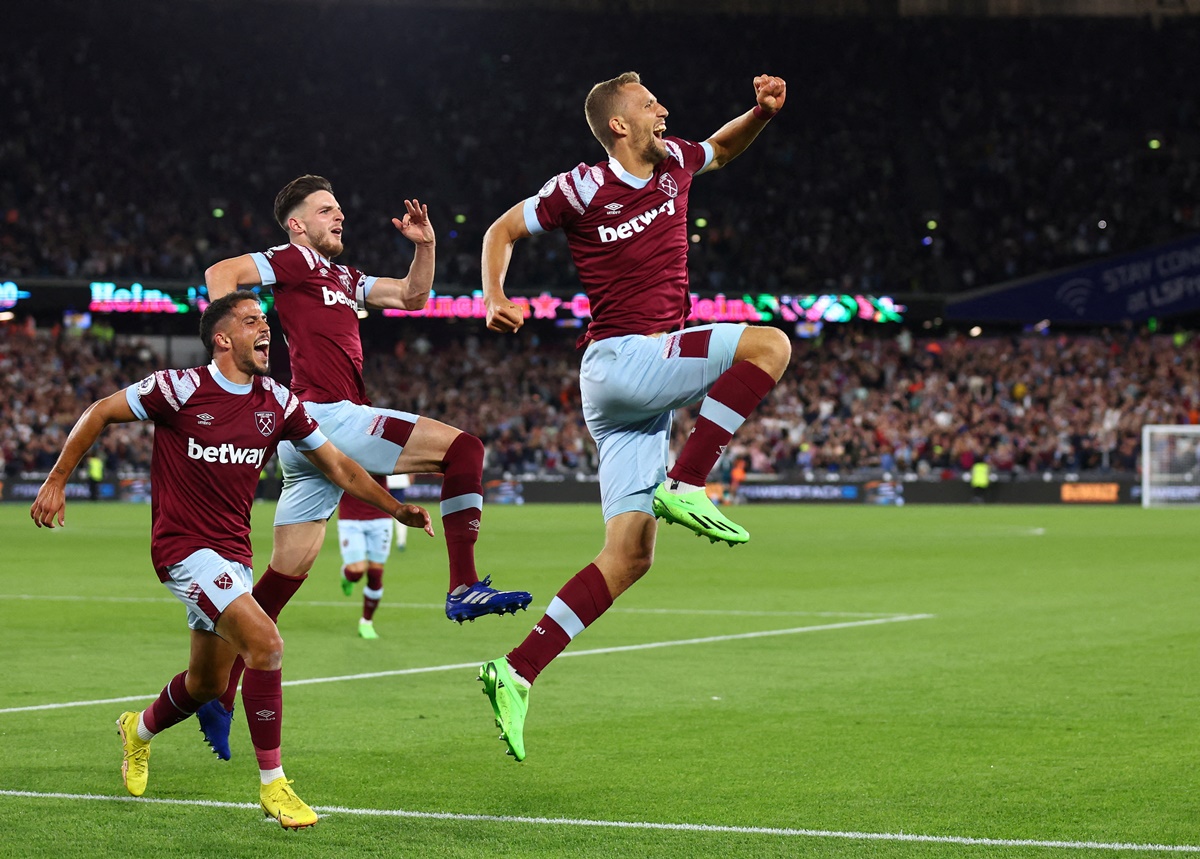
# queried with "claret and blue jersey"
point(318, 302)
point(628, 237)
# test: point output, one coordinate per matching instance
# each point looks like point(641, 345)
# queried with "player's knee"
point(774, 351)
point(264, 651)
point(638, 562)
point(466, 449)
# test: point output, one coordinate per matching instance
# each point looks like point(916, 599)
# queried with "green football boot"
point(695, 511)
point(510, 702)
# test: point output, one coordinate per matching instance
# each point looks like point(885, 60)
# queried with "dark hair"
point(218, 311)
point(603, 103)
point(295, 192)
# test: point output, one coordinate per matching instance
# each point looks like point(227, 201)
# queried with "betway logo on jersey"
point(635, 224)
point(336, 296)
point(226, 453)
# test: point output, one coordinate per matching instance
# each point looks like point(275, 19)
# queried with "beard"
point(654, 150)
point(327, 245)
point(246, 363)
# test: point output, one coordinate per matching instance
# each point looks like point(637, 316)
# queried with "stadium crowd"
point(851, 401)
point(1026, 141)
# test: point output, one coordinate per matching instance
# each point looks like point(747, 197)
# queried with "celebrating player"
point(215, 426)
point(626, 225)
point(318, 303)
point(365, 539)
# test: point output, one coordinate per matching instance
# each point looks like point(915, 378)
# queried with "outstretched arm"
point(410, 292)
point(734, 136)
point(353, 478)
point(231, 274)
point(51, 502)
point(498, 241)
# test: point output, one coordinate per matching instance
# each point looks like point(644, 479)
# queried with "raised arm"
point(230, 274)
point(412, 291)
point(51, 502)
point(353, 478)
point(733, 137)
point(498, 241)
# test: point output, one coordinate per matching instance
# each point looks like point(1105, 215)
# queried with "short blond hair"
point(602, 104)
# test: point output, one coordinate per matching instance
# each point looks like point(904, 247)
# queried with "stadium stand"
point(850, 404)
point(1028, 142)
point(1015, 137)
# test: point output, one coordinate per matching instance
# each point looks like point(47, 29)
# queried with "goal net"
point(1170, 465)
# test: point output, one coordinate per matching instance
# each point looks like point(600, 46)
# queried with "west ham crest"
point(667, 185)
point(265, 422)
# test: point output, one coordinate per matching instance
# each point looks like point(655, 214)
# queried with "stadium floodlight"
point(1170, 465)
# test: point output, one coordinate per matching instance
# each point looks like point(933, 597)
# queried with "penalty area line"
point(706, 828)
point(457, 666)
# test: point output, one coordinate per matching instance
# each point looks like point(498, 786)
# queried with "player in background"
point(215, 426)
point(365, 539)
point(397, 484)
point(626, 226)
point(318, 303)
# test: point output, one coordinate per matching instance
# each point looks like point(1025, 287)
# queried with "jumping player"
point(365, 540)
point(626, 225)
point(318, 303)
point(214, 428)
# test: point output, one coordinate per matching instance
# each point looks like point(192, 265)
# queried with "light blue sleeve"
point(135, 402)
point(264, 268)
point(312, 441)
point(529, 210)
point(708, 156)
point(364, 289)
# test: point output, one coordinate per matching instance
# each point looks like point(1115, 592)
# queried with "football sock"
point(262, 699)
point(268, 776)
point(351, 575)
point(144, 733)
point(272, 593)
point(731, 399)
point(372, 592)
point(576, 606)
point(462, 507)
point(171, 707)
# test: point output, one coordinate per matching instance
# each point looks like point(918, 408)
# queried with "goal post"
point(1170, 465)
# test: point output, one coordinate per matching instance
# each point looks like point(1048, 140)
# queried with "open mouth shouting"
point(262, 348)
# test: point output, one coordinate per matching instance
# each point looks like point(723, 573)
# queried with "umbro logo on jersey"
point(205, 420)
point(224, 581)
point(636, 224)
point(613, 208)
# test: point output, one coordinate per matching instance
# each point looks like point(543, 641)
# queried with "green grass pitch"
point(857, 681)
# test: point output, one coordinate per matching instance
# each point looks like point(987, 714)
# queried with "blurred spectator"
point(919, 155)
point(851, 402)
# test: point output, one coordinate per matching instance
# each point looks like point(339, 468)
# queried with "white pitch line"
point(706, 828)
point(719, 612)
point(400, 672)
